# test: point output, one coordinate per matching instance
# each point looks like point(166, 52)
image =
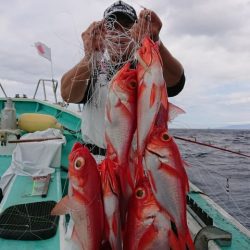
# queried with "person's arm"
point(173, 72)
point(74, 82)
point(172, 69)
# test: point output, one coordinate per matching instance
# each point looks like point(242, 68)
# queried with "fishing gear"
point(211, 146)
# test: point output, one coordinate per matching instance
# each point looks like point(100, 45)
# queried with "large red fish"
point(148, 227)
point(120, 121)
point(168, 179)
point(111, 198)
point(151, 92)
point(84, 202)
point(120, 117)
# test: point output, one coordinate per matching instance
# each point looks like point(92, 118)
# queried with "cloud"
point(210, 38)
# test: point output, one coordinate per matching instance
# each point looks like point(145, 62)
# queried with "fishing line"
point(216, 198)
point(211, 146)
point(231, 198)
point(71, 22)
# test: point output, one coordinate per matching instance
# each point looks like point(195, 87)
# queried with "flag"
point(43, 50)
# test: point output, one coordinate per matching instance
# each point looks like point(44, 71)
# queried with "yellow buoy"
point(32, 122)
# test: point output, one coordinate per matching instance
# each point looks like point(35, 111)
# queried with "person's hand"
point(148, 24)
point(93, 38)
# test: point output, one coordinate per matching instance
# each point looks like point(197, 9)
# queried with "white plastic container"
point(8, 116)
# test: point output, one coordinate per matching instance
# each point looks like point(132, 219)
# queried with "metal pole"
point(51, 67)
point(3, 90)
point(44, 91)
point(36, 88)
point(54, 85)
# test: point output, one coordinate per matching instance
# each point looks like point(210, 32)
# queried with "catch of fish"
point(135, 199)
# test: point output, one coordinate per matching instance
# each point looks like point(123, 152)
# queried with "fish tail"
point(129, 178)
point(189, 241)
point(173, 241)
point(139, 173)
point(185, 241)
point(164, 97)
point(124, 179)
point(147, 238)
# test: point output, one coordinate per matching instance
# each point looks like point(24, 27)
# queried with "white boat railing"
point(43, 82)
point(1, 86)
point(54, 88)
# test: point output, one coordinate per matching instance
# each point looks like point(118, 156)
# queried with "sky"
point(210, 38)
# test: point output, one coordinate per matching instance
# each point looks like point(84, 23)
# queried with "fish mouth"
point(149, 219)
point(75, 185)
point(153, 152)
point(162, 158)
point(77, 188)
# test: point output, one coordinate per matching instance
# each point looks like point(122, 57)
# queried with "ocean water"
point(223, 176)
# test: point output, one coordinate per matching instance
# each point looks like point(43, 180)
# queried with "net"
point(30, 221)
point(109, 53)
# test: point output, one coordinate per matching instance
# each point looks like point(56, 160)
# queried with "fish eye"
point(132, 84)
point(165, 137)
point(140, 193)
point(79, 162)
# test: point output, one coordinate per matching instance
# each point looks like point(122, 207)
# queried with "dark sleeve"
point(176, 89)
point(88, 92)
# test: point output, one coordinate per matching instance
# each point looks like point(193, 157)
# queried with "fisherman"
point(116, 35)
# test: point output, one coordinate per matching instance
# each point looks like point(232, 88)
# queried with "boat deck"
point(221, 219)
point(19, 193)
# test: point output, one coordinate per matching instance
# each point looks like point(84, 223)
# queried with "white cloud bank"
point(210, 38)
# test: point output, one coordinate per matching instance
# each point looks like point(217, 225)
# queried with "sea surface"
point(223, 176)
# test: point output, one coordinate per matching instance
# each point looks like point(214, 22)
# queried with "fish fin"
point(115, 226)
point(147, 238)
point(164, 97)
point(153, 95)
point(152, 181)
point(118, 104)
point(139, 172)
point(169, 170)
point(125, 110)
point(112, 166)
point(106, 228)
point(130, 178)
point(141, 62)
point(123, 179)
point(142, 87)
point(74, 235)
point(75, 238)
point(110, 152)
point(62, 207)
point(162, 117)
point(189, 241)
point(182, 176)
point(174, 111)
point(173, 241)
point(108, 115)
